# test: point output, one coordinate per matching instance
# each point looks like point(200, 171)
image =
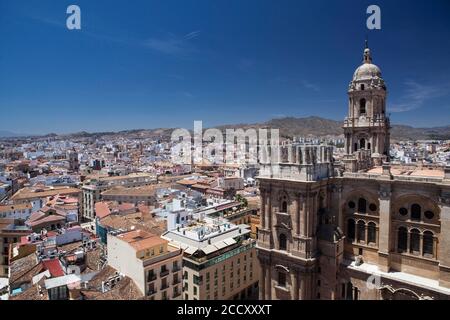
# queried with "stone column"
point(385, 227)
point(263, 209)
point(294, 213)
point(421, 245)
point(366, 233)
point(302, 286)
point(408, 242)
point(262, 282)
point(268, 283)
point(303, 220)
point(294, 281)
point(340, 211)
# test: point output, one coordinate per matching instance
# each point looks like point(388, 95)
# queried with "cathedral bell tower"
point(366, 127)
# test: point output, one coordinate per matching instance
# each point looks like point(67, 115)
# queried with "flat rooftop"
point(141, 240)
point(209, 235)
point(423, 282)
point(412, 172)
point(33, 193)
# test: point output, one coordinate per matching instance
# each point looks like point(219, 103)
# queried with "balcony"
point(151, 292)
point(164, 286)
point(176, 268)
point(176, 295)
point(151, 277)
point(176, 281)
point(164, 273)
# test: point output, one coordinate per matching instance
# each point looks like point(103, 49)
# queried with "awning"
point(190, 250)
point(220, 245)
point(229, 241)
point(209, 249)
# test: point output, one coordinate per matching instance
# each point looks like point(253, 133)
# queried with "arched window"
point(361, 229)
point(284, 206)
point(362, 106)
point(402, 242)
point(416, 211)
point(281, 279)
point(349, 295)
point(362, 205)
point(428, 243)
point(371, 233)
point(282, 241)
point(362, 143)
point(414, 245)
point(351, 229)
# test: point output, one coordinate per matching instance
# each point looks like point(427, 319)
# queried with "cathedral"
point(358, 227)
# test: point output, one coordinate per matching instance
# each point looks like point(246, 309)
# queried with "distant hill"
point(9, 134)
point(320, 127)
point(289, 127)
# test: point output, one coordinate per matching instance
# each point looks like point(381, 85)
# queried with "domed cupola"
point(368, 74)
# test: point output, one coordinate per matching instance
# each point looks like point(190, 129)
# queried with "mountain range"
point(289, 127)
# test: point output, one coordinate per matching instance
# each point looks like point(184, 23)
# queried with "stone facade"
point(357, 229)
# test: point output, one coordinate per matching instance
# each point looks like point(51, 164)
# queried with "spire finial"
point(367, 56)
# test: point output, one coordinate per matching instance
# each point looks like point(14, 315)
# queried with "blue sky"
point(146, 64)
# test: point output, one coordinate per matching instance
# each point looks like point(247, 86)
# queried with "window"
point(362, 86)
point(195, 290)
point(429, 214)
point(351, 205)
point(402, 239)
point(362, 106)
point(351, 229)
point(403, 211)
point(371, 232)
point(373, 207)
point(284, 206)
point(415, 241)
point(428, 243)
point(416, 211)
point(361, 229)
point(281, 279)
point(362, 143)
point(282, 242)
point(362, 205)
point(349, 295)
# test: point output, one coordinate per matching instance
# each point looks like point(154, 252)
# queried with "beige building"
point(37, 196)
point(145, 195)
point(219, 260)
point(153, 264)
point(95, 186)
point(360, 229)
point(10, 233)
point(16, 211)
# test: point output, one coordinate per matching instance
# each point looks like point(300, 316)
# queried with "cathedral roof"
point(367, 70)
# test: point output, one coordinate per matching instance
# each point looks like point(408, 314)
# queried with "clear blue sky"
point(145, 64)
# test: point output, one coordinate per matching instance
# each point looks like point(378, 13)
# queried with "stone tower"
point(366, 127)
